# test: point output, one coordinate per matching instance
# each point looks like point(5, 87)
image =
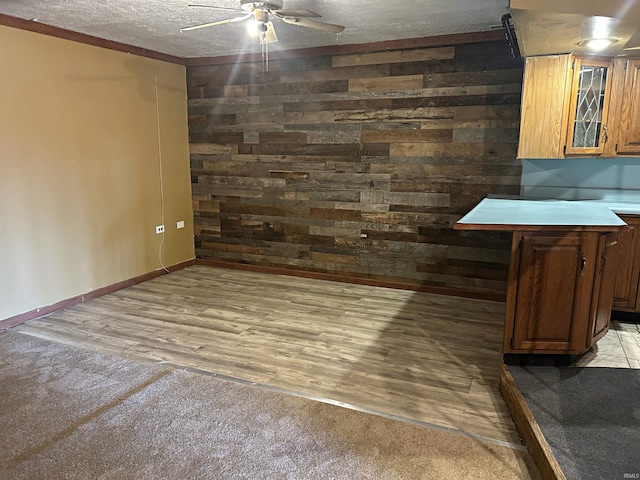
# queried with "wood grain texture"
point(553, 297)
point(417, 55)
point(616, 94)
point(419, 356)
point(529, 429)
point(560, 291)
point(545, 104)
point(627, 284)
point(372, 282)
point(603, 287)
point(333, 163)
point(629, 127)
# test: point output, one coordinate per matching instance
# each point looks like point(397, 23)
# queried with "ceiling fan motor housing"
point(250, 5)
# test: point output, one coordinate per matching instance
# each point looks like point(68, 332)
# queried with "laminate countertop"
point(622, 208)
point(518, 214)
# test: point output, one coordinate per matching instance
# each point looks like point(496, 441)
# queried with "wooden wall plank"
point(358, 164)
point(416, 55)
point(385, 84)
point(402, 136)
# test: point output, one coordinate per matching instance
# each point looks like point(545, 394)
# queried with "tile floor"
point(619, 348)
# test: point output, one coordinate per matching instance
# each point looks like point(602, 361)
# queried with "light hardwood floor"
point(422, 357)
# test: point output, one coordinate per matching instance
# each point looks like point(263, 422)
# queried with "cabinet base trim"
point(625, 316)
point(540, 360)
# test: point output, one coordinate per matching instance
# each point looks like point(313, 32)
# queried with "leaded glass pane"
point(588, 119)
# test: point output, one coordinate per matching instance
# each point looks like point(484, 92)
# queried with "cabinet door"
point(607, 259)
point(625, 293)
point(587, 129)
point(553, 295)
point(544, 106)
point(629, 127)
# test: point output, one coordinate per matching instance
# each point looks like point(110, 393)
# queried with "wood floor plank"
point(424, 357)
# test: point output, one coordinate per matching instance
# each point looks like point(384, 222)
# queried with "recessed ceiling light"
point(597, 44)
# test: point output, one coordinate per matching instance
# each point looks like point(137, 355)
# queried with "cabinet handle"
point(583, 264)
point(605, 136)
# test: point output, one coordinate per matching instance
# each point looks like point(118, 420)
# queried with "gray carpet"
point(75, 414)
point(589, 416)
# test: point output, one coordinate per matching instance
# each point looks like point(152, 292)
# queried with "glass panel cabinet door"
point(587, 132)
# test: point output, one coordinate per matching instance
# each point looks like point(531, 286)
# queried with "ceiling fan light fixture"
point(268, 35)
point(260, 14)
point(252, 28)
point(597, 44)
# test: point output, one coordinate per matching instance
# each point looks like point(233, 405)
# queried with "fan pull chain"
point(265, 53)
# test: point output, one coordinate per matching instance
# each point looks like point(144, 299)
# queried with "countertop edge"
point(511, 214)
point(537, 228)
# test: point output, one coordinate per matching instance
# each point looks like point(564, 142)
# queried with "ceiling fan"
point(261, 12)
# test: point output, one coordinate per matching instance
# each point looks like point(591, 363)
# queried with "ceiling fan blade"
point(305, 22)
point(296, 13)
point(220, 22)
point(218, 8)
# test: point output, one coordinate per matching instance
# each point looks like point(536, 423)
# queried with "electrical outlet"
point(180, 224)
point(159, 228)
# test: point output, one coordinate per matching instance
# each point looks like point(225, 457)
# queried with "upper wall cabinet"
point(587, 129)
point(577, 106)
point(628, 141)
point(544, 90)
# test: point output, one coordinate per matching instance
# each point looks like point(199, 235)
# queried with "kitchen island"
point(561, 276)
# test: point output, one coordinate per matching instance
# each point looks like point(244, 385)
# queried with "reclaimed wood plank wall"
point(358, 164)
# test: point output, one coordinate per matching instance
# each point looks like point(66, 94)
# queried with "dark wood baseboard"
point(70, 302)
point(210, 262)
point(529, 429)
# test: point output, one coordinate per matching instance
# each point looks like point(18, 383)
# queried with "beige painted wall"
point(80, 163)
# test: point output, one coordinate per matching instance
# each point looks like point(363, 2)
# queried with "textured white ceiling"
point(155, 24)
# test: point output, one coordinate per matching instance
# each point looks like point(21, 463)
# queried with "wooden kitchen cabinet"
point(559, 294)
point(561, 272)
point(626, 296)
point(587, 129)
point(628, 141)
point(576, 106)
point(544, 108)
